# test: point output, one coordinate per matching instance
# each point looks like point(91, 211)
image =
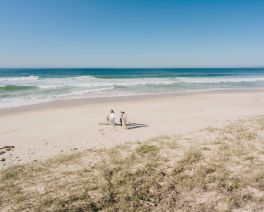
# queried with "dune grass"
point(184, 173)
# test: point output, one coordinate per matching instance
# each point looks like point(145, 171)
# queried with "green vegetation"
point(188, 173)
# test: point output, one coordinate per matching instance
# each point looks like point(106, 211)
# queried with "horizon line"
point(81, 67)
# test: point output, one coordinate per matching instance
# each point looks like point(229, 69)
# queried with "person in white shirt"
point(112, 117)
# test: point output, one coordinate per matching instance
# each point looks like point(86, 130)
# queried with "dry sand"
point(46, 130)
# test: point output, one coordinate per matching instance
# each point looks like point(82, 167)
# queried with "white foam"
point(17, 102)
point(87, 86)
point(91, 82)
point(219, 79)
point(16, 79)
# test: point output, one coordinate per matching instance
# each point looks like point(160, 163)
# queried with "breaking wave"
point(219, 79)
point(24, 90)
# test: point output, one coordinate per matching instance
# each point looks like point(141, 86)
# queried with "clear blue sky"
point(131, 33)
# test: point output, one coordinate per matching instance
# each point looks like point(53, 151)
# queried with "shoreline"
point(62, 103)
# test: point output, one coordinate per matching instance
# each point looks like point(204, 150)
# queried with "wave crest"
point(219, 79)
point(15, 79)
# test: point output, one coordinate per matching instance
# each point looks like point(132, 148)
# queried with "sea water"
point(30, 86)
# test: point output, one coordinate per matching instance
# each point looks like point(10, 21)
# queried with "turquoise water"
point(29, 86)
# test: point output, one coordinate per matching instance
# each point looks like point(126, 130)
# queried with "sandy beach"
point(186, 78)
point(41, 131)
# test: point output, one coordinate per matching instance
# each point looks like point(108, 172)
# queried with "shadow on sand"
point(131, 126)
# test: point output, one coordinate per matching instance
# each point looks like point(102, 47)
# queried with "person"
point(123, 119)
point(112, 117)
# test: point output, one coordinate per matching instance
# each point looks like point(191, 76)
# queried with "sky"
point(131, 33)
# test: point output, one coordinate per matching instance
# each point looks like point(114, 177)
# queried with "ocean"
point(31, 86)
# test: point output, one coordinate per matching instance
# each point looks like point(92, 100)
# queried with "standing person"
point(112, 117)
point(123, 119)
